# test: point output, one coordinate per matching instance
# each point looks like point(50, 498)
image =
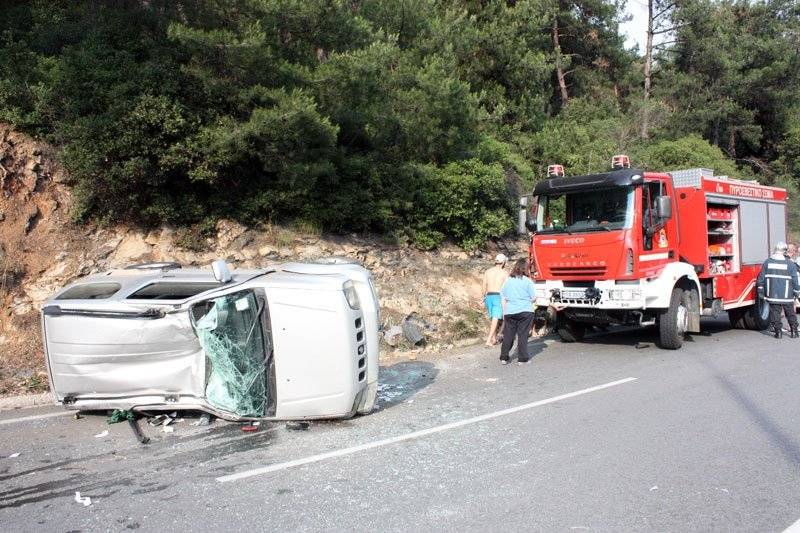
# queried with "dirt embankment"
point(41, 249)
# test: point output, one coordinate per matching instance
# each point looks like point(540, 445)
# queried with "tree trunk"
point(732, 143)
point(562, 84)
point(648, 69)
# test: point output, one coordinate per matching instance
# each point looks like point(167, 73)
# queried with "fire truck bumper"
point(608, 294)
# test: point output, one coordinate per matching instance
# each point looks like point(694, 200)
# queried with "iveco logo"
point(574, 240)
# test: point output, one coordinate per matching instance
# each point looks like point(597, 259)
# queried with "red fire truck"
point(651, 248)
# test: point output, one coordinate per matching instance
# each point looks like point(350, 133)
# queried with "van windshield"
point(590, 210)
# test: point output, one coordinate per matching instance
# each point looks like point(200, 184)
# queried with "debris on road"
point(298, 425)
point(137, 431)
point(120, 415)
point(168, 429)
point(13, 455)
point(162, 420)
point(101, 434)
point(204, 420)
point(392, 335)
point(413, 333)
point(249, 428)
point(86, 501)
point(642, 345)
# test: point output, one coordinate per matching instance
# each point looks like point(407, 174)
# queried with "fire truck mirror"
point(664, 207)
point(531, 225)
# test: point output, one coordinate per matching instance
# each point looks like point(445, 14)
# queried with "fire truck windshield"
point(590, 210)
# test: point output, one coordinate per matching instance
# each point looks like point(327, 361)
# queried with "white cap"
point(781, 247)
point(500, 258)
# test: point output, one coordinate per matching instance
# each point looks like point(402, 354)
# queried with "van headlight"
point(625, 294)
point(351, 295)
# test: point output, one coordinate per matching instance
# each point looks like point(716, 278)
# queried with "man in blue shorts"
point(493, 280)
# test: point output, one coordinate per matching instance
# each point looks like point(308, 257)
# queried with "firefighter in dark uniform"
point(779, 284)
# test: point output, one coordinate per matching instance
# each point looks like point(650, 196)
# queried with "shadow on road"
point(632, 336)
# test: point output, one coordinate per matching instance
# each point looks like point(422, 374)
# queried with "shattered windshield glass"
point(230, 331)
point(591, 210)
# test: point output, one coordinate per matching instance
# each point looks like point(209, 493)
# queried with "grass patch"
point(470, 324)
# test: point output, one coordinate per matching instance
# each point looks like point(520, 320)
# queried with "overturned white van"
point(296, 341)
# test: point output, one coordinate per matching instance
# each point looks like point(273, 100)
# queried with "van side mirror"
point(221, 271)
point(531, 225)
point(664, 207)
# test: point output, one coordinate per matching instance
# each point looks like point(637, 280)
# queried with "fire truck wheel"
point(673, 322)
point(571, 331)
point(736, 317)
point(757, 316)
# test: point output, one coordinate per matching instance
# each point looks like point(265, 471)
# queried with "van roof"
point(178, 284)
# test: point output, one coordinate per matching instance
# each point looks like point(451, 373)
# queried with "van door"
point(233, 330)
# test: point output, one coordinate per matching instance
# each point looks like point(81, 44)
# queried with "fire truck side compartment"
point(755, 248)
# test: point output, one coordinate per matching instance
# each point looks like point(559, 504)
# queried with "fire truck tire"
point(757, 316)
point(736, 317)
point(571, 331)
point(673, 321)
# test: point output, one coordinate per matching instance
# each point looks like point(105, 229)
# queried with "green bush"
point(467, 200)
point(687, 152)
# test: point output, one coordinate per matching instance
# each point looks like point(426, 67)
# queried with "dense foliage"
point(420, 119)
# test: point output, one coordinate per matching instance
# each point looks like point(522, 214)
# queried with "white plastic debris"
point(101, 435)
point(86, 501)
point(168, 429)
point(392, 335)
point(654, 487)
point(13, 455)
point(204, 420)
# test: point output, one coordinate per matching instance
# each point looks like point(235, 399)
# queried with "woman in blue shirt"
point(517, 296)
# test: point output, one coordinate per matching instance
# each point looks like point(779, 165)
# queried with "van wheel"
point(571, 331)
point(757, 316)
point(673, 322)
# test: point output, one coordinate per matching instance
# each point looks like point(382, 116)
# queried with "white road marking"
point(413, 435)
point(794, 528)
point(35, 417)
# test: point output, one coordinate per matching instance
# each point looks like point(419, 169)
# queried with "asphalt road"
point(703, 439)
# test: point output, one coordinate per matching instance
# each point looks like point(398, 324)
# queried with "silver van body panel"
point(125, 352)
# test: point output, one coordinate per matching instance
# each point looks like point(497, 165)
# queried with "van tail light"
point(629, 262)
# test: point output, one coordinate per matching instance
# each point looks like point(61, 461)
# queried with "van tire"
point(673, 321)
point(571, 331)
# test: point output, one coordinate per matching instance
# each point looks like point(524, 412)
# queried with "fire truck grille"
point(583, 272)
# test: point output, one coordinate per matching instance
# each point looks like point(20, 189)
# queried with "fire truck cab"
point(651, 248)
